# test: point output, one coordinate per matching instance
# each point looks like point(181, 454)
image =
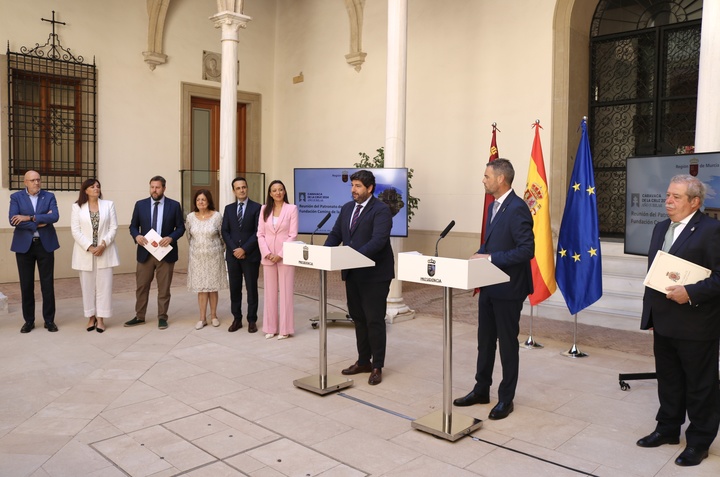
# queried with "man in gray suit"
point(686, 326)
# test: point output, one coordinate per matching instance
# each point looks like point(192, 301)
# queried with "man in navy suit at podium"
point(364, 224)
point(509, 245)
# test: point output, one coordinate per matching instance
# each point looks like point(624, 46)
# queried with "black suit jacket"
point(510, 242)
point(245, 237)
point(173, 225)
point(371, 237)
point(699, 243)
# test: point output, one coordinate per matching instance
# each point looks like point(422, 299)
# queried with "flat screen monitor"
point(322, 190)
point(647, 182)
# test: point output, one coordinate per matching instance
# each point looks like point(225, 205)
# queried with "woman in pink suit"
point(278, 223)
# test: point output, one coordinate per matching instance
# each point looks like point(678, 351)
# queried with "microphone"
point(322, 222)
point(443, 234)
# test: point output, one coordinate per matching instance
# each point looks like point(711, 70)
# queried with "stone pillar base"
point(398, 311)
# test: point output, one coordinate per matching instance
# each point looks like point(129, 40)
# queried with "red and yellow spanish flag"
point(537, 198)
point(489, 199)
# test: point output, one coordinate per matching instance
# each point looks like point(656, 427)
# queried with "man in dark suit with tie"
point(509, 245)
point(364, 224)
point(686, 325)
point(33, 212)
point(239, 230)
point(165, 216)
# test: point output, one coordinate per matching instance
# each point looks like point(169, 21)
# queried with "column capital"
point(230, 21)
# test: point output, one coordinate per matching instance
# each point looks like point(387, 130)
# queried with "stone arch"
point(157, 12)
point(571, 70)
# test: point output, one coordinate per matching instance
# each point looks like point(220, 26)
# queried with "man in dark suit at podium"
point(686, 325)
point(364, 224)
point(509, 245)
point(239, 230)
point(165, 216)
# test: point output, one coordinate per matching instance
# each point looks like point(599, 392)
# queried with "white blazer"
point(82, 232)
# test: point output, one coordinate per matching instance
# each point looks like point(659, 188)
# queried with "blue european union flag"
point(578, 271)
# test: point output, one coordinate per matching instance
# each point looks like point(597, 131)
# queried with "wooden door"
point(205, 145)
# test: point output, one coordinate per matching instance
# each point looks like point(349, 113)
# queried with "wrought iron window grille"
point(51, 114)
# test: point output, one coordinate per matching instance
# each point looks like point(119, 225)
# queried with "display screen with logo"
point(647, 183)
point(319, 191)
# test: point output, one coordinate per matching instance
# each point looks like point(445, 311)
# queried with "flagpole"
point(530, 343)
point(574, 352)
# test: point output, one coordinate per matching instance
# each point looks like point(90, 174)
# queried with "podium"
point(324, 259)
point(448, 273)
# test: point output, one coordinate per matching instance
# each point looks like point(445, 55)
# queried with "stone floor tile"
point(132, 457)
point(136, 393)
point(425, 466)
point(291, 458)
point(149, 413)
point(378, 456)
point(216, 469)
point(199, 387)
point(196, 426)
point(173, 449)
point(75, 459)
point(304, 426)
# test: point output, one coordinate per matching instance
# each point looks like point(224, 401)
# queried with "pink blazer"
point(270, 239)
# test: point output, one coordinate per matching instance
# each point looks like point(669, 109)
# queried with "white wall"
point(138, 109)
point(470, 64)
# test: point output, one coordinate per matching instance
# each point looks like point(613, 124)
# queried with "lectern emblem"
point(306, 252)
point(431, 267)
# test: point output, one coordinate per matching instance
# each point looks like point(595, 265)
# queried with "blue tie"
point(240, 214)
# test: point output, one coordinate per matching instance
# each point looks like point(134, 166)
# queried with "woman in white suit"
point(93, 224)
point(278, 223)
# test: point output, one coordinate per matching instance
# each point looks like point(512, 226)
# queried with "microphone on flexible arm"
point(322, 222)
point(443, 234)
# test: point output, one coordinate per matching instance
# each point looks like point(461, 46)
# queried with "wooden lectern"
point(448, 273)
point(324, 259)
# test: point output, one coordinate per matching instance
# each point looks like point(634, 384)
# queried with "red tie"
point(355, 216)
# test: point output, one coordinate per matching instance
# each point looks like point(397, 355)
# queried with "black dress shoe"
point(472, 398)
point(691, 456)
point(252, 327)
point(27, 327)
point(51, 327)
point(236, 325)
point(357, 369)
point(501, 410)
point(375, 377)
point(656, 439)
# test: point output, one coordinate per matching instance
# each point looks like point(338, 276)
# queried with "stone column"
point(708, 103)
point(397, 310)
point(230, 22)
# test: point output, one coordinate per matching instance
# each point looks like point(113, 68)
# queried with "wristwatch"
point(32, 217)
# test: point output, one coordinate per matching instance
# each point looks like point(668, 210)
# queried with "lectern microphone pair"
point(322, 222)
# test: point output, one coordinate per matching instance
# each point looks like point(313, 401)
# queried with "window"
point(51, 118)
point(644, 65)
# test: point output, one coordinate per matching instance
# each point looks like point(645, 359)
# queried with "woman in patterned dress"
point(93, 225)
point(206, 267)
